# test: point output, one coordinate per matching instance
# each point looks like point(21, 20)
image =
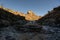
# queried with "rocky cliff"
point(29, 16)
point(7, 18)
point(52, 18)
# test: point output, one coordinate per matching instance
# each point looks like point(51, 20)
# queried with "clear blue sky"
point(39, 7)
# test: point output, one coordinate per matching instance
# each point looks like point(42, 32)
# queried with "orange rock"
point(29, 16)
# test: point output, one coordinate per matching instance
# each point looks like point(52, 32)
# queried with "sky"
point(39, 7)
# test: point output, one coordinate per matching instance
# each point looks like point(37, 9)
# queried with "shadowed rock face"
point(52, 18)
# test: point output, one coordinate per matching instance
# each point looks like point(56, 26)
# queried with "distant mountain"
point(29, 16)
point(52, 18)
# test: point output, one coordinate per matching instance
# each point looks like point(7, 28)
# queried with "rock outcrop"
point(31, 16)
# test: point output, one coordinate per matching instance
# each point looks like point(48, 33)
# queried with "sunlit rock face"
point(31, 16)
